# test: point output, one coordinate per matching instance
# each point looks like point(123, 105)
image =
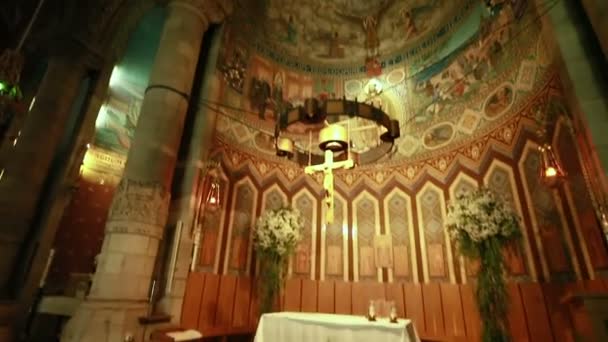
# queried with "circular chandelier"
point(334, 137)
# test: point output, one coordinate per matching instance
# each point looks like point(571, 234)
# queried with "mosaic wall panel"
point(436, 251)
point(302, 265)
point(468, 267)
point(335, 254)
point(273, 198)
point(591, 237)
point(211, 233)
point(500, 178)
point(366, 221)
point(546, 219)
point(398, 218)
point(243, 208)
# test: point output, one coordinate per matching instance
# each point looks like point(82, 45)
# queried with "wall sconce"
point(213, 195)
point(551, 172)
point(212, 187)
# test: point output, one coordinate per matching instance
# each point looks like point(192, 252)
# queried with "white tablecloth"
point(317, 327)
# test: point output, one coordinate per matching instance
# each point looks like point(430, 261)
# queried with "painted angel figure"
point(409, 24)
point(370, 26)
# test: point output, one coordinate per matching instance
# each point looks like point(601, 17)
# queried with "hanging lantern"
point(213, 194)
point(551, 171)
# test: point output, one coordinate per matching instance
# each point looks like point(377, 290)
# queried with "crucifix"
point(327, 168)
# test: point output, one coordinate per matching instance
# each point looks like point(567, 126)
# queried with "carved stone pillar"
point(190, 173)
point(137, 218)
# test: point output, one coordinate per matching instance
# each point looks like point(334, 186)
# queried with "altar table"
point(318, 327)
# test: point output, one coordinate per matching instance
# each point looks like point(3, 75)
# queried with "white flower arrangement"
point(482, 223)
point(278, 231)
point(480, 215)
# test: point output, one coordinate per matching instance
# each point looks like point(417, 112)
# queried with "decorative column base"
point(99, 320)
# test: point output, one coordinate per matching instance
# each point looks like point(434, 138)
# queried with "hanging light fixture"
point(213, 187)
point(213, 194)
point(551, 171)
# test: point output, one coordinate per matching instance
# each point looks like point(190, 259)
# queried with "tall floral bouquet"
point(277, 233)
point(482, 223)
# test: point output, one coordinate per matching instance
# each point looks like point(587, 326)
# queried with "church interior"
point(140, 141)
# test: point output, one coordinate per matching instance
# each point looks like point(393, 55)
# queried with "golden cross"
point(328, 179)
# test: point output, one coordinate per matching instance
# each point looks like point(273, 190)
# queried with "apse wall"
point(389, 219)
point(562, 240)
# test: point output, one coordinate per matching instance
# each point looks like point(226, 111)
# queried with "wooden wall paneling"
point(433, 311)
point(225, 301)
point(453, 316)
point(539, 327)
point(192, 300)
point(254, 309)
point(209, 302)
point(293, 295)
point(242, 301)
point(470, 311)
point(595, 285)
point(394, 292)
point(561, 325)
point(414, 309)
point(309, 295)
point(343, 297)
point(518, 327)
point(326, 298)
point(581, 321)
point(363, 292)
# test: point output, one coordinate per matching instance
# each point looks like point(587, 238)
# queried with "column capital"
point(212, 11)
point(140, 208)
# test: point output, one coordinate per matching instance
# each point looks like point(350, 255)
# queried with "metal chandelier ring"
point(315, 111)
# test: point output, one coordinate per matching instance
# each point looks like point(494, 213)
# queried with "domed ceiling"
point(344, 32)
point(450, 71)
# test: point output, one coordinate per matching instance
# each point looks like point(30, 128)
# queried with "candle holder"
point(371, 312)
point(393, 315)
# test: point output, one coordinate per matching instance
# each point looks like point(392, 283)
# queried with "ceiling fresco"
point(475, 87)
point(345, 33)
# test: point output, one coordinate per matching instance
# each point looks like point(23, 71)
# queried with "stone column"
point(190, 171)
point(135, 226)
point(27, 164)
point(581, 71)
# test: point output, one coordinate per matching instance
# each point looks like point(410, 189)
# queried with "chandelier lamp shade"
point(285, 147)
point(333, 138)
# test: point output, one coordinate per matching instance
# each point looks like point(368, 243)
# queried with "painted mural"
point(407, 205)
point(345, 31)
point(485, 70)
point(116, 122)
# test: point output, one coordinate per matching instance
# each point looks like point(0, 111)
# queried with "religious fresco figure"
point(370, 24)
point(499, 101)
point(259, 96)
point(409, 25)
point(438, 135)
point(335, 49)
point(292, 32)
